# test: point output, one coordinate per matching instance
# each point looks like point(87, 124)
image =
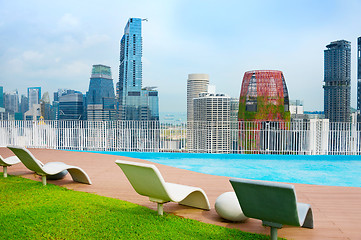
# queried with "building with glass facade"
point(34, 96)
point(11, 102)
point(24, 104)
point(337, 81)
point(45, 106)
point(71, 106)
point(133, 100)
point(1, 97)
point(100, 97)
point(359, 75)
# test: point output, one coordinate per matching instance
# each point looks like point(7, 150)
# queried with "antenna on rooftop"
point(145, 19)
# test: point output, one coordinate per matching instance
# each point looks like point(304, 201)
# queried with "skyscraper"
point(12, 102)
point(100, 96)
point(24, 104)
point(34, 95)
point(196, 84)
point(211, 132)
point(263, 102)
point(1, 97)
point(264, 97)
point(359, 74)
point(337, 78)
point(132, 98)
point(45, 106)
point(71, 105)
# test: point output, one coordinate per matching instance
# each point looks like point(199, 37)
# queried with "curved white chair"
point(52, 168)
point(7, 162)
point(147, 181)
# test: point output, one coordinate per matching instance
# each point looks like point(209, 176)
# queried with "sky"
point(53, 44)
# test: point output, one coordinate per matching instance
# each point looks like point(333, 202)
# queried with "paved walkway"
point(336, 210)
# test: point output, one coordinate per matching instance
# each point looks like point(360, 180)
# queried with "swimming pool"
point(328, 170)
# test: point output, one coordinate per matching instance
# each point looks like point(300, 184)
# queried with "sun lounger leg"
point(160, 208)
point(5, 171)
point(273, 233)
point(44, 179)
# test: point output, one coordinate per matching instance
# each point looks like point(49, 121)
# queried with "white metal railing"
point(314, 137)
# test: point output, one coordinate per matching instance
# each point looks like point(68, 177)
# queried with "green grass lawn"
point(32, 211)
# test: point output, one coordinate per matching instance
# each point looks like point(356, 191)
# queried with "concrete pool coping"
point(337, 210)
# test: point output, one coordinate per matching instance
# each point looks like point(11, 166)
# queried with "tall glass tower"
point(71, 105)
point(359, 74)
point(1, 97)
point(133, 100)
point(34, 96)
point(100, 96)
point(337, 81)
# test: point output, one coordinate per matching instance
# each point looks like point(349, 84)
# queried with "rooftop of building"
point(339, 43)
point(336, 210)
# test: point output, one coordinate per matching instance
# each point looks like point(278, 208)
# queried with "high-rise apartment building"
point(100, 96)
point(133, 100)
point(196, 84)
point(337, 81)
point(359, 74)
point(34, 96)
point(211, 126)
point(234, 106)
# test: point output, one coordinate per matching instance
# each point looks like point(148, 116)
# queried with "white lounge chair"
point(7, 162)
point(147, 181)
point(273, 203)
point(48, 169)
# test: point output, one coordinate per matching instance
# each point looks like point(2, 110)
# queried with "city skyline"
point(53, 46)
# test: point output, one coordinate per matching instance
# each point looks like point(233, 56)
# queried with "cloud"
point(76, 68)
point(32, 56)
point(68, 21)
point(95, 39)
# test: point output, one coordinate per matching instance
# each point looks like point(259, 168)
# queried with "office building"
point(45, 106)
point(359, 78)
point(24, 104)
point(1, 97)
point(263, 104)
point(196, 84)
point(11, 102)
point(34, 96)
point(264, 97)
point(133, 100)
point(2, 106)
point(337, 81)
point(71, 106)
point(211, 127)
point(100, 96)
point(150, 104)
point(55, 106)
point(34, 108)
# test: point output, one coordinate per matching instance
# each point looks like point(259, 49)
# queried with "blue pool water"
point(337, 170)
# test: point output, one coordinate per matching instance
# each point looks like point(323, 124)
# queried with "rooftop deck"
point(336, 210)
